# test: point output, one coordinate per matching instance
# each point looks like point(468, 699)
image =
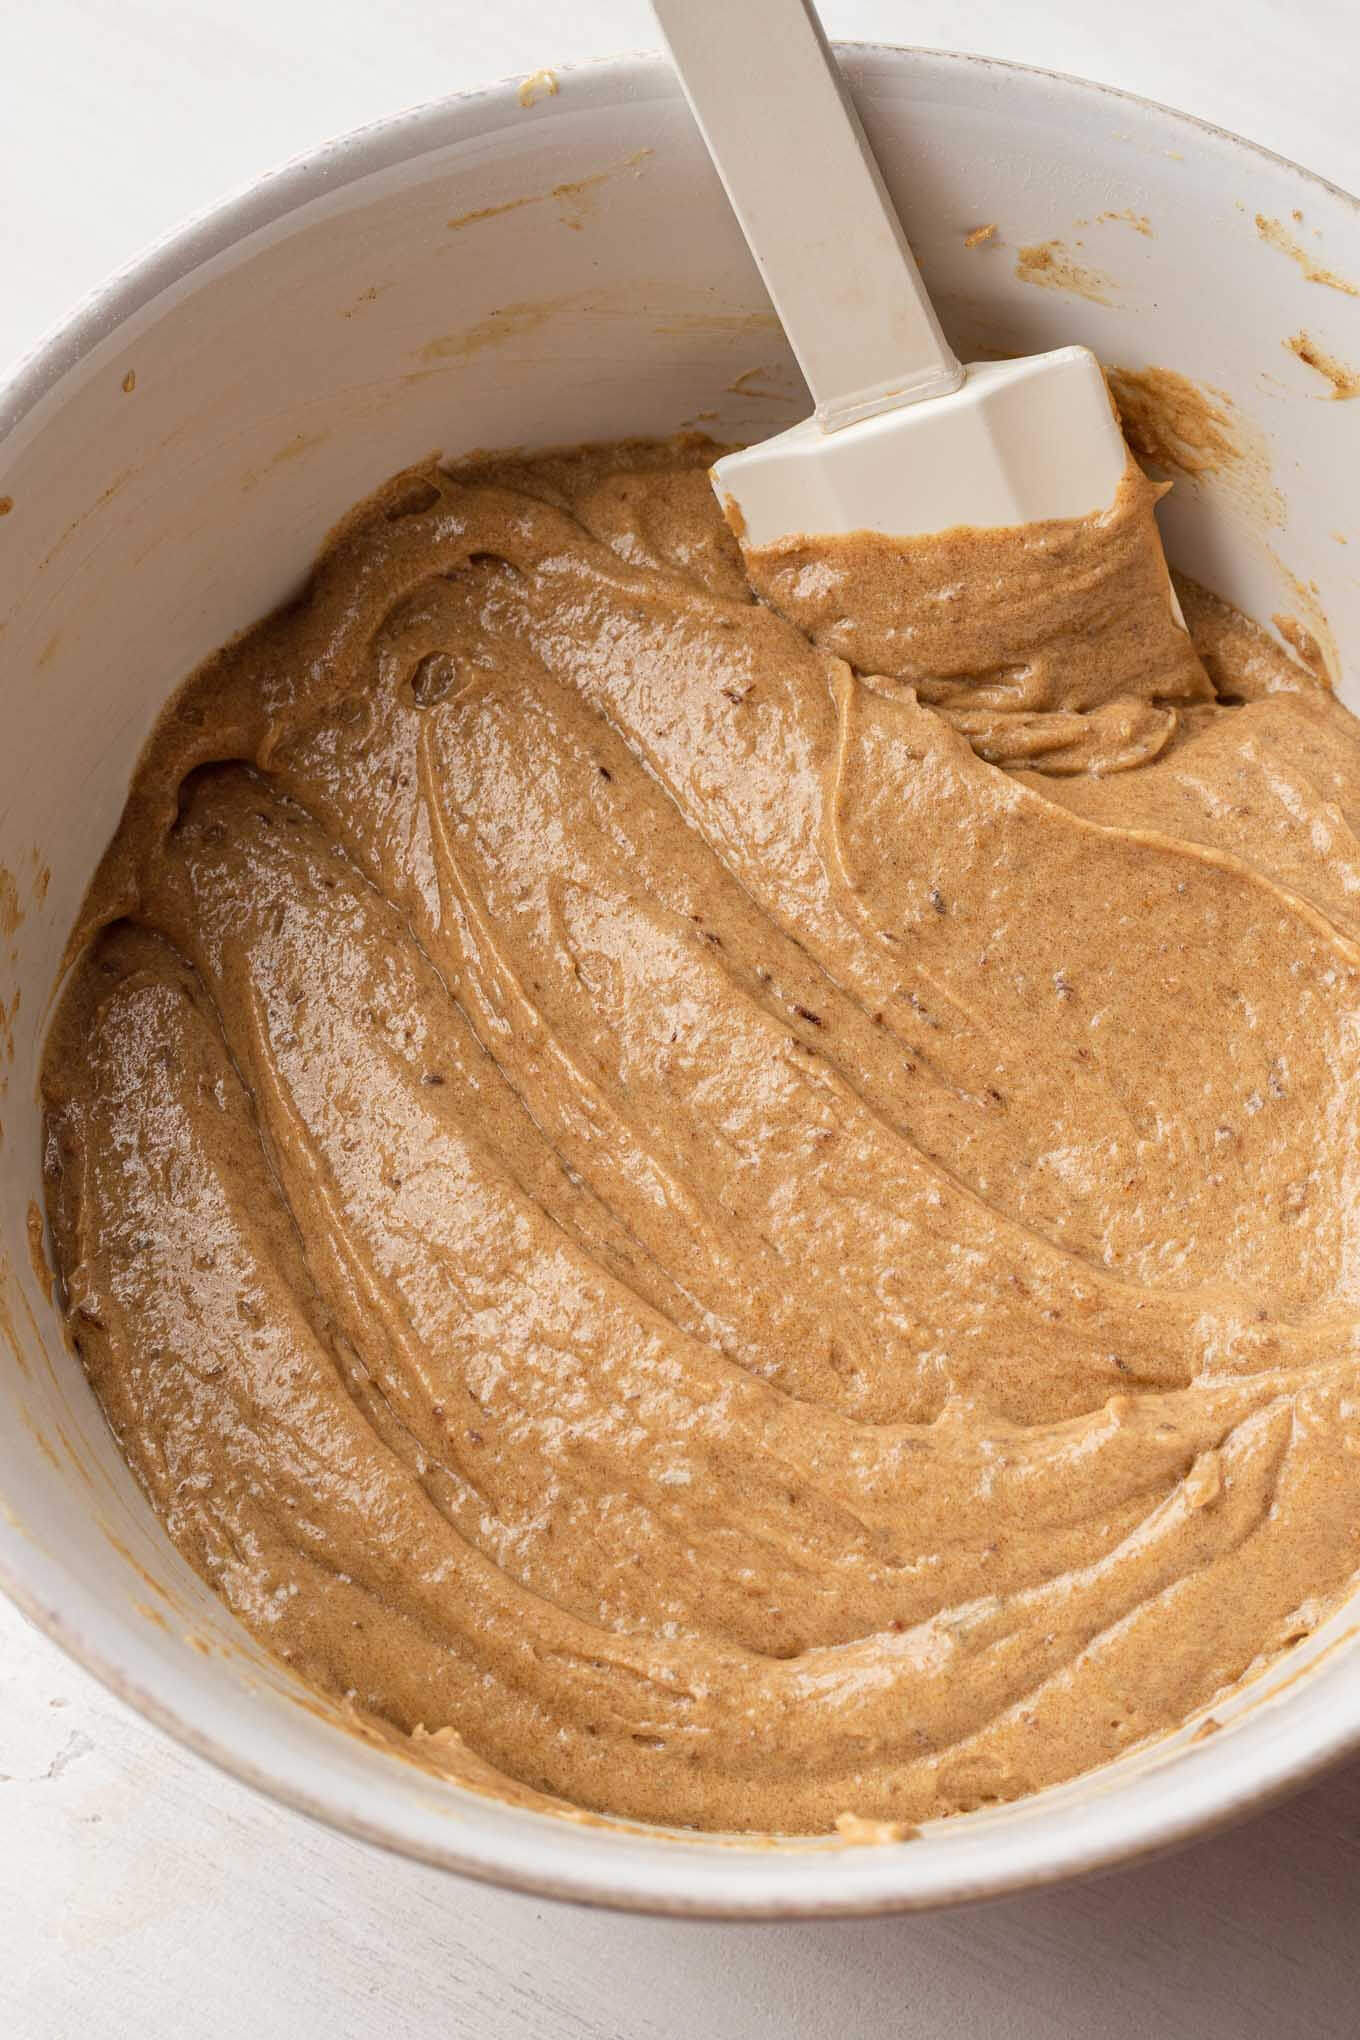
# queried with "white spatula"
point(904, 439)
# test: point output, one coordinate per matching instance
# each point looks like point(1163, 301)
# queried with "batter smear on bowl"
point(750, 1206)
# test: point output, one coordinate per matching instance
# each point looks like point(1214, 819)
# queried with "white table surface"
point(141, 1893)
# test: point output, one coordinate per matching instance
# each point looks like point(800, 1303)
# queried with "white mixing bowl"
point(531, 267)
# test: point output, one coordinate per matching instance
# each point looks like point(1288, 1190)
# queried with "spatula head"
point(1020, 442)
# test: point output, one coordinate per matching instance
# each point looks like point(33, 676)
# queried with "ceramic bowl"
point(532, 265)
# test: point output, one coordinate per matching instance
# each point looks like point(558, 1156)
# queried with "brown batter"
point(751, 1215)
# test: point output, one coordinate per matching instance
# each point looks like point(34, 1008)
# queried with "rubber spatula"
point(904, 439)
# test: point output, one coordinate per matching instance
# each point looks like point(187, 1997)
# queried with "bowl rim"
point(754, 1881)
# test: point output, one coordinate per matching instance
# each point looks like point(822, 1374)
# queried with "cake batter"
point(744, 1210)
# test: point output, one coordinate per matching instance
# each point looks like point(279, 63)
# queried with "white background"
point(140, 1893)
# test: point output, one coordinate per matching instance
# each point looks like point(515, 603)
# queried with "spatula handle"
point(772, 107)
